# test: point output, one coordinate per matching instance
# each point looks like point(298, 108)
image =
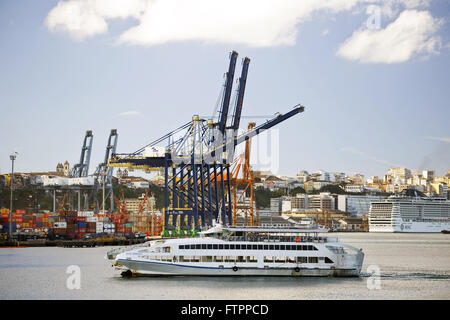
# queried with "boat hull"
point(149, 268)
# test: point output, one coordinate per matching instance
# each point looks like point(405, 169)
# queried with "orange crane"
point(142, 204)
point(120, 204)
point(242, 166)
point(61, 206)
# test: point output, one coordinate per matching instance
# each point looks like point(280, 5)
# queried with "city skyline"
point(367, 108)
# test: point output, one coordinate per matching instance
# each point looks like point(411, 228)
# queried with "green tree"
point(332, 188)
point(296, 190)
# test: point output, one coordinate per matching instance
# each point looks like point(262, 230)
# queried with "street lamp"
point(12, 157)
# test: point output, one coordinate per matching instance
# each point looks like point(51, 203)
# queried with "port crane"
point(81, 169)
point(103, 173)
point(196, 161)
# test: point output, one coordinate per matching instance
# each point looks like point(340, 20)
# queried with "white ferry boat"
point(243, 251)
point(409, 214)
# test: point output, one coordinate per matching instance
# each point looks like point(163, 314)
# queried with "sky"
point(373, 76)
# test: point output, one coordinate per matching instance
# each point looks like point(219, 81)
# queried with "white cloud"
point(258, 23)
point(443, 139)
point(411, 34)
point(87, 18)
point(129, 113)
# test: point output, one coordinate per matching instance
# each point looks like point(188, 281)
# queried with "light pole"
point(12, 157)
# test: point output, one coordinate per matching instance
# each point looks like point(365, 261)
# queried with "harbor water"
point(396, 266)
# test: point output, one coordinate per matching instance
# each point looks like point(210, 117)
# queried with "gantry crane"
point(81, 169)
point(197, 159)
point(103, 174)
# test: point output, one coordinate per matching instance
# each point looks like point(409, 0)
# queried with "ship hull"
point(411, 227)
point(149, 268)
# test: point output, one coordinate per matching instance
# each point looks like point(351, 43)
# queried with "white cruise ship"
point(409, 214)
point(243, 251)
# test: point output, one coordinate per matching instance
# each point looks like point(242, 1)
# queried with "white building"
point(356, 205)
point(355, 188)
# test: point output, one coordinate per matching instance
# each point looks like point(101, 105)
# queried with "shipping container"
point(58, 225)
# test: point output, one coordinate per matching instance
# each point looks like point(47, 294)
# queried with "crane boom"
point(81, 169)
point(141, 162)
point(227, 94)
point(240, 97)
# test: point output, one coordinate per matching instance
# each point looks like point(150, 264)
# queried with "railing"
point(275, 239)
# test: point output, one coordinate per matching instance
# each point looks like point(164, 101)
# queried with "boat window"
point(220, 246)
point(226, 246)
point(328, 260)
point(203, 246)
point(254, 247)
point(268, 259)
point(230, 259)
point(218, 258)
point(192, 246)
point(215, 246)
point(198, 246)
point(253, 259)
point(207, 259)
point(302, 259)
point(232, 246)
point(266, 247)
point(181, 247)
point(291, 259)
point(277, 247)
point(210, 246)
point(288, 247)
point(167, 249)
point(313, 259)
point(271, 247)
point(260, 246)
point(238, 247)
point(282, 247)
point(240, 259)
point(280, 259)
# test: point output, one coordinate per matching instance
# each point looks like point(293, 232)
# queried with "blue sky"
point(370, 104)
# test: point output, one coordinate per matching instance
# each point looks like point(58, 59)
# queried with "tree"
point(332, 188)
point(296, 190)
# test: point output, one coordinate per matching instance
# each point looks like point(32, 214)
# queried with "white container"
point(58, 225)
point(83, 181)
point(155, 151)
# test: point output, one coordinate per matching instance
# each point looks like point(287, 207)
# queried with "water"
point(412, 266)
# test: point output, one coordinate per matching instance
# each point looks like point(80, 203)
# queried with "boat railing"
point(276, 239)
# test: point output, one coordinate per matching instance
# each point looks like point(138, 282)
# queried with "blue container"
point(81, 224)
point(6, 227)
point(39, 224)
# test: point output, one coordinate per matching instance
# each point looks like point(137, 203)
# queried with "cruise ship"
point(410, 214)
point(243, 251)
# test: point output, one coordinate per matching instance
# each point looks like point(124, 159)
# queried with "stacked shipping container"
point(73, 224)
